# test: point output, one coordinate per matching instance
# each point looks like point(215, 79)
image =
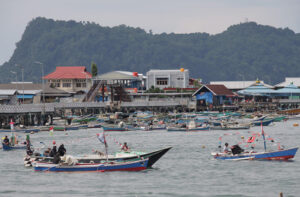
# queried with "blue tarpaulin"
point(207, 96)
point(26, 96)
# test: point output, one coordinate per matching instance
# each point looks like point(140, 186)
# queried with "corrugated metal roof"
point(7, 92)
point(238, 85)
point(117, 75)
point(69, 72)
point(216, 89)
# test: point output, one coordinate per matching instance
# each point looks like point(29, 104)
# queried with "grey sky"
point(178, 16)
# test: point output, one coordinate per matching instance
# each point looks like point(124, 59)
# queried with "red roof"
point(69, 72)
point(218, 90)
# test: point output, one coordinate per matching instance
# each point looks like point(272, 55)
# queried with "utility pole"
point(43, 111)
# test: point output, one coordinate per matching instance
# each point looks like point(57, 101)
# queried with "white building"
point(288, 81)
point(168, 78)
point(237, 85)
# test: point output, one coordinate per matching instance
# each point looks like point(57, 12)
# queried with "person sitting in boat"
point(47, 152)
point(28, 150)
point(56, 158)
point(125, 148)
point(61, 150)
point(53, 151)
point(6, 140)
point(226, 148)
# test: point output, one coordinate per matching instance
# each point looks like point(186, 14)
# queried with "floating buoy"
point(242, 137)
point(203, 146)
point(31, 132)
point(295, 124)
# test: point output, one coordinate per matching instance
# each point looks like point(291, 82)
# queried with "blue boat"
point(174, 129)
point(272, 155)
point(21, 130)
point(110, 166)
point(9, 147)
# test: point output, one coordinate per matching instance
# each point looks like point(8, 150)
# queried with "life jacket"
point(251, 139)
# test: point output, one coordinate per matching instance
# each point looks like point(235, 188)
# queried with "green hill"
point(243, 52)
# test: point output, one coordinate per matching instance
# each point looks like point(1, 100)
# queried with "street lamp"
point(22, 69)
point(37, 62)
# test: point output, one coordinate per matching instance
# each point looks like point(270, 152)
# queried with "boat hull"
point(114, 129)
point(8, 147)
point(119, 166)
point(274, 155)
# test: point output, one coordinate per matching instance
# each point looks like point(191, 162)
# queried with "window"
point(162, 81)
point(78, 85)
point(84, 85)
point(66, 85)
point(179, 78)
point(58, 85)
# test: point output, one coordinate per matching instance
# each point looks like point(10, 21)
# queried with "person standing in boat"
point(61, 150)
point(226, 148)
point(125, 148)
point(6, 140)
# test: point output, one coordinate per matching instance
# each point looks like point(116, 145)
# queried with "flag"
point(101, 138)
point(11, 124)
point(51, 129)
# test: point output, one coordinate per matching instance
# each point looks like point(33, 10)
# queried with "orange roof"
point(69, 72)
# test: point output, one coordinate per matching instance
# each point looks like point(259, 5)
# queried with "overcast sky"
point(178, 16)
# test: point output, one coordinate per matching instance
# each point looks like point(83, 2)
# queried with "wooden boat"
point(114, 128)
point(9, 147)
point(175, 129)
point(120, 156)
point(265, 122)
point(231, 127)
point(21, 130)
point(110, 166)
point(271, 155)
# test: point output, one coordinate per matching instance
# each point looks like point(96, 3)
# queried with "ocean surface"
point(187, 169)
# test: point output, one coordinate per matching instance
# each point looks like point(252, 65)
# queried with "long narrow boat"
point(121, 156)
point(272, 155)
point(114, 128)
point(110, 166)
point(265, 122)
point(9, 147)
point(175, 129)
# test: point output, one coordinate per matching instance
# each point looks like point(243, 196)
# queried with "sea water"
point(188, 169)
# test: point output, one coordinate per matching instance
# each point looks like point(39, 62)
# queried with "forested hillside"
point(243, 52)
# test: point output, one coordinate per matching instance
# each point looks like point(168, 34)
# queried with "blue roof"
point(289, 89)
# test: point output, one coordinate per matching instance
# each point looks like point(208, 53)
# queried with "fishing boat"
point(271, 155)
point(237, 153)
point(14, 147)
point(100, 158)
point(114, 128)
point(265, 122)
point(108, 166)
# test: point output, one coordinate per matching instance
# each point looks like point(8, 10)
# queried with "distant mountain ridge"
point(244, 51)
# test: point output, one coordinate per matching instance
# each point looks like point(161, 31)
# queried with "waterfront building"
point(238, 85)
point(27, 92)
point(288, 81)
point(168, 78)
point(71, 79)
point(128, 80)
point(213, 95)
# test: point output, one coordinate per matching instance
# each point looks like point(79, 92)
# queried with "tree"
point(94, 70)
